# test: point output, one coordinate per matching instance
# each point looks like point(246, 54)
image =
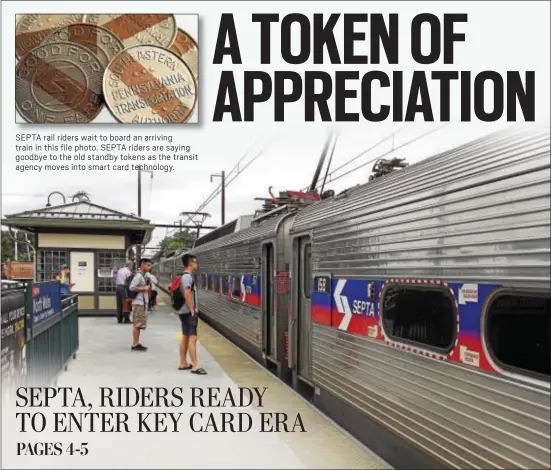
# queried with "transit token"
point(98, 40)
point(149, 84)
point(132, 30)
point(31, 30)
point(185, 46)
point(59, 83)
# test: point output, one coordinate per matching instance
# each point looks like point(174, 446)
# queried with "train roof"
point(496, 156)
point(241, 223)
point(262, 227)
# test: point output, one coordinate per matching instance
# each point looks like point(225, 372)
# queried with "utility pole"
point(138, 254)
point(139, 192)
point(140, 171)
point(222, 175)
point(223, 197)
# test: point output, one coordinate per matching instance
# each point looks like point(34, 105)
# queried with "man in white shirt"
point(122, 276)
point(153, 284)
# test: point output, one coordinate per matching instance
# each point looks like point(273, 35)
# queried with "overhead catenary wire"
point(239, 170)
point(216, 191)
point(246, 166)
point(373, 147)
point(228, 182)
point(405, 144)
point(329, 177)
point(335, 138)
point(328, 174)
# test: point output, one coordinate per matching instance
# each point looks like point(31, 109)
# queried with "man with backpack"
point(184, 301)
point(138, 291)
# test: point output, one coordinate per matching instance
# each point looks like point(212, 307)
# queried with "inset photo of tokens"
point(98, 40)
point(149, 84)
point(132, 30)
point(186, 47)
point(59, 83)
point(110, 68)
point(31, 30)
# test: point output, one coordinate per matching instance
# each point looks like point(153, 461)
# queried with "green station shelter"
point(92, 240)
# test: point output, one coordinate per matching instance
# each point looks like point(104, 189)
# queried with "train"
point(413, 310)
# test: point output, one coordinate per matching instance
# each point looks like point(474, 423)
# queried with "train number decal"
point(322, 285)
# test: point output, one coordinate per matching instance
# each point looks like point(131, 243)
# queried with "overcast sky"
point(290, 160)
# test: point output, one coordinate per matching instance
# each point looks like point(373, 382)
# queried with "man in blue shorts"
point(188, 317)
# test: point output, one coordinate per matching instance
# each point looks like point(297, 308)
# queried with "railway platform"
point(104, 359)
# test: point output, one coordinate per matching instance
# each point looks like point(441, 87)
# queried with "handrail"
point(40, 332)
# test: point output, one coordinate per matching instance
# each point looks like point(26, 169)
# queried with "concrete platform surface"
point(105, 360)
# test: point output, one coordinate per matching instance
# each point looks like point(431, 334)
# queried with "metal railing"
point(39, 333)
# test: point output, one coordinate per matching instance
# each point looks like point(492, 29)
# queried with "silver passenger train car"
point(414, 309)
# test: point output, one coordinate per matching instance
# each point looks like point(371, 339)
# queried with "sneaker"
point(138, 347)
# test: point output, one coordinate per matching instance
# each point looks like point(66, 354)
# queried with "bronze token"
point(149, 84)
point(59, 83)
point(31, 30)
point(186, 47)
point(99, 41)
point(132, 30)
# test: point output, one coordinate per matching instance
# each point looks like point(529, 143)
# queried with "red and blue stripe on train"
point(365, 319)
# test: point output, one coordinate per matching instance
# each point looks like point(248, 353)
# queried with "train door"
point(304, 318)
point(268, 323)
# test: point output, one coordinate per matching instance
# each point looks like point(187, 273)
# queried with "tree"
point(179, 240)
point(8, 246)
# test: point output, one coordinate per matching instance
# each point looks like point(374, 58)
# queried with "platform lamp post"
point(221, 175)
point(55, 192)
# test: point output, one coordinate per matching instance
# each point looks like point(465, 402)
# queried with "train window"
point(225, 284)
point(216, 283)
point(517, 332)
point(209, 280)
point(307, 278)
point(421, 315)
point(203, 280)
point(236, 291)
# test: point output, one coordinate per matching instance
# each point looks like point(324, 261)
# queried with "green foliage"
point(8, 246)
point(179, 240)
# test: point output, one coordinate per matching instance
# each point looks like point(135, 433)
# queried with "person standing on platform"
point(64, 279)
point(122, 276)
point(153, 298)
point(188, 317)
point(140, 301)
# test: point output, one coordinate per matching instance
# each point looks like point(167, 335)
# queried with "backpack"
point(130, 294)
point(178, 299)
point(175, 283)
